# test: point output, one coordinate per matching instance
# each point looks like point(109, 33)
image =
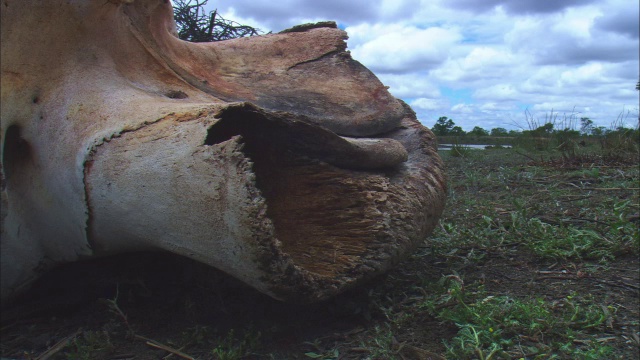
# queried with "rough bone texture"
point(277, 159)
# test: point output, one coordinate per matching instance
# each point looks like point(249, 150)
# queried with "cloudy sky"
point(487, 63)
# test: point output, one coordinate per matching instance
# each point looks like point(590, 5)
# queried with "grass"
point(535, 258)
point(86, 346)
point(564, 238)
point(233, 347)
point(506, 327)
point(551, 214)
point(549, 211)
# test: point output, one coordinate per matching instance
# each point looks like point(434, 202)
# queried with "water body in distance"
point(468, 146)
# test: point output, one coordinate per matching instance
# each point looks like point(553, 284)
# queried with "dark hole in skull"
point(16, 152)
point(323, 215)
point(176, 94)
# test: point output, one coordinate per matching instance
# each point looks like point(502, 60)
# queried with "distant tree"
point(499, 132)
point(195, 25)
point(478, 131)
point(545, 129)
point(457, 131)
point(586, 125)
point(443, 126)
point(542, 131)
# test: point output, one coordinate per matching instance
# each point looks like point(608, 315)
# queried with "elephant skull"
point(278, 158)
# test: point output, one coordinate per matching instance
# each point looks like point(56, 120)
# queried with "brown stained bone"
point(277, 159)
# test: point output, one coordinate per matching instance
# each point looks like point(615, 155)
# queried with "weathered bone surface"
point(277, 159)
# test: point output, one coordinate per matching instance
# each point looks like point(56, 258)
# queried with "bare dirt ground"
point(167, 299)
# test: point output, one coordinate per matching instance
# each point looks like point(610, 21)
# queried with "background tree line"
point(567, 127)
point(447, 127)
